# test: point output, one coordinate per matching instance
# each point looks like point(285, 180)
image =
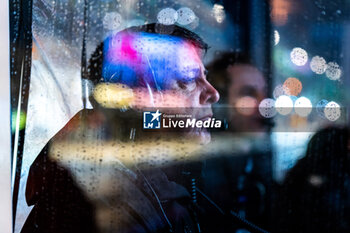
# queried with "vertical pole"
point(20, 68)
point(5, 133)
point(83, 55)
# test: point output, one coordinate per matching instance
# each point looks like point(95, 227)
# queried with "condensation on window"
point(185, 116)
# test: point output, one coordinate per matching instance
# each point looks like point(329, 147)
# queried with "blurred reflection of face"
point(246, 91)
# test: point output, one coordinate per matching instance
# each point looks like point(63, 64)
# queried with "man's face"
point(196, 92)
point(164, 72)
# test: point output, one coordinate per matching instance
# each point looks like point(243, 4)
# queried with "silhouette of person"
point(315, 193)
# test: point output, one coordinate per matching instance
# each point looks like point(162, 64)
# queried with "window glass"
point(180, 116)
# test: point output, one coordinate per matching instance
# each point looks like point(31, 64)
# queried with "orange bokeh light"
point(292, 86)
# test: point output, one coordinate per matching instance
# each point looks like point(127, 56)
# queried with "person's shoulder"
point(74, 124)
point(43, 159)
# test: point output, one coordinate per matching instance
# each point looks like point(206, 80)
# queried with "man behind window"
point(101, 172)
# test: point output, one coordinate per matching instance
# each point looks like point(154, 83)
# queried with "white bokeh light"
point(318, 65)
point(219, 13)
point(284, 105)
point(267, 108)
point(278, 91)
point(276, 37)
point(112, 21)
point(332, 111)
point(299, 56)
point(303, 106)
point(333, 71)
point(185, 16)
point(167, 16)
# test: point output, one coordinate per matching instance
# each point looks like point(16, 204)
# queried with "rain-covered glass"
point(180, 116)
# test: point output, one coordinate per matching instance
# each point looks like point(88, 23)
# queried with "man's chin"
point(200, 135)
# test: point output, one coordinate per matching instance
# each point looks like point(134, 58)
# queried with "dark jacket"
point(145, 202)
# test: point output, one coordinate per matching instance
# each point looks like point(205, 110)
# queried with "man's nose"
point(209, 94)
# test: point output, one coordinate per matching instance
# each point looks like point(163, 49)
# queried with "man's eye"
point(248, 91)
point(189, 74)
point(187, 80)
point(187, 84)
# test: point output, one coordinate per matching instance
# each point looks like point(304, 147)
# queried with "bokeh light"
point(292, 86)
point(303, 106)
point(113, 95)
point(185, 16)
point(246, 105)
point(21, 123)
point(316, 180)
point(284, 105)
point(332, 111)
point(167, 16)
point(333, 71)
point(267, 108)
point(276, 37)
point(219, 13)
point(299, 56)
point(112, 21)
point(318, 65)
point(278, 91)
